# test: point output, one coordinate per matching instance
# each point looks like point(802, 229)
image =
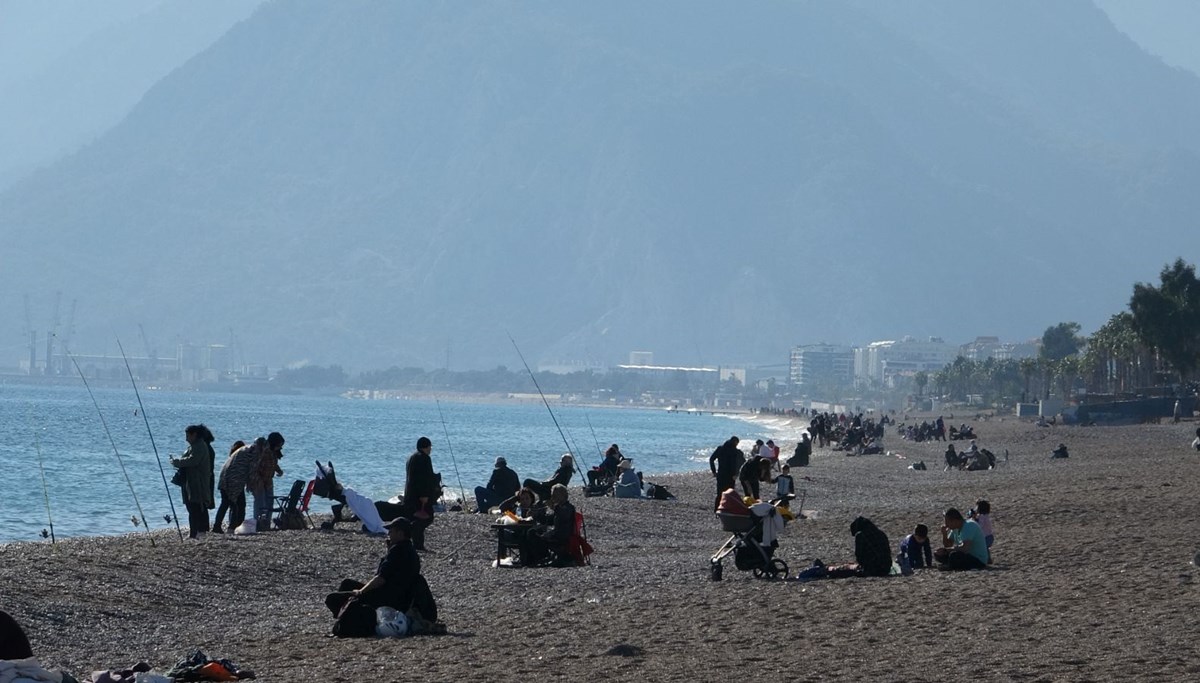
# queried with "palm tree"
point(921, 379)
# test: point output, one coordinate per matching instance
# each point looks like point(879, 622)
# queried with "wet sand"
point(1092, 581)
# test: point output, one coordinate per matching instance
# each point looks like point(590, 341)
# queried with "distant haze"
point(377, 184)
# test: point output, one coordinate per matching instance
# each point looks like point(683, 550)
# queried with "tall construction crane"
point(69, 333)
point(31, 335)
point(151, 354)
point(50, 336)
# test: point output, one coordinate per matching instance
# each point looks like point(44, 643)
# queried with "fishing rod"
point(142, 408)
point(547, 404)
point(117, 453)
point(461, 491)
point(598, 448)
point(37, 442)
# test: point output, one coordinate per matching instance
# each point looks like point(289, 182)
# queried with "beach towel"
point(364, 509)
point(773, 523)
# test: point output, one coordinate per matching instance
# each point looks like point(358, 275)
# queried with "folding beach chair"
point(286, 509)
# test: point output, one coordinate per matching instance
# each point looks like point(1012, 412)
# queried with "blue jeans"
point(264, 500)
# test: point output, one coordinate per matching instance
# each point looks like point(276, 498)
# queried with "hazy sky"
point(1167, 28)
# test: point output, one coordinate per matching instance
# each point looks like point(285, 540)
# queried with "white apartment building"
point(882, 361)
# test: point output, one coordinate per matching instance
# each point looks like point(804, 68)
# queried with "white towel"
point(364, 509)
point(772, 521)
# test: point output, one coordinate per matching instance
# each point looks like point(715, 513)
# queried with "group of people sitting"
point(966, 545)
point(553, 526)
point(972, 458)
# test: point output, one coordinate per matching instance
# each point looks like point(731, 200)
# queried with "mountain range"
point(379, 184)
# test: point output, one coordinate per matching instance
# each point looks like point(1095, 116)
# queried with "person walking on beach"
point(421, 489)
point(196, 471)
point(234, 504)
point(262, 480)
point(725, 462)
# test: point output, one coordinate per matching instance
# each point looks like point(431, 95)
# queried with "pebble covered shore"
point(1092, 581)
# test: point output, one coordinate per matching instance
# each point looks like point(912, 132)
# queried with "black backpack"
point(659, 492)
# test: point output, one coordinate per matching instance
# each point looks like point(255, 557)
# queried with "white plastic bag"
point(390, 623)
point(247, 527)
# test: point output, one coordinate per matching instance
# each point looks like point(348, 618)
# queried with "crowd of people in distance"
point(972, 458)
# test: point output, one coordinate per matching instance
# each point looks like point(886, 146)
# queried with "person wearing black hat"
point(502, 485)
point(422, 487)
point(397, 584)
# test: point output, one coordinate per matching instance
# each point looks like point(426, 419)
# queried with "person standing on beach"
point(235, 479)
point(725, 462)
point(231, 503)
point(262, 480)
point(421, 489)
point(196, 470)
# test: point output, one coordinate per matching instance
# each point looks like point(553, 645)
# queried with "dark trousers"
point(540, 488)
point(236, 506)
point(418, 531)
point(750, 488)
point(486, 498)
point(957, 561)
point(197, 518)
point(722, 485)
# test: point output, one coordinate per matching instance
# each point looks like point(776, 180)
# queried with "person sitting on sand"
point(953, 460)
point(629, 483)
point(559, 518)
point(522, 504)
point(982, 514)
point(916, 548)
point(963, 544)
point(802, 453)
point(872, 552)
point(503, 484)
point(562, 475)
point(397, 583)
point(1060, 452)
point(607, 469)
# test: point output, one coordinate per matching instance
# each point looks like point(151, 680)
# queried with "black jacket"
point(420, 481)
point(504, 482)
point(562, 475)
point(726, 461)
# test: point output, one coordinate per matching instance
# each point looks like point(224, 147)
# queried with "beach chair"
point(286, 511)
point(578, 547)
point(305, 500)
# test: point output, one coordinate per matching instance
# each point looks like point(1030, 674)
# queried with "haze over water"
point(368, 442)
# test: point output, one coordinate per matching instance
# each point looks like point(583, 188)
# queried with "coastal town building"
point(820, 365)
point(881, 362)
point(984, 348)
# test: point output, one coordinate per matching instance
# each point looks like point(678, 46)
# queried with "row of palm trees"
point(1114, 361)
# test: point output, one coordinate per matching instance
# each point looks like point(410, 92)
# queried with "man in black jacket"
point(562, 475)
point(725, 462)
point(422, 487)
point(397, 584)
point(503, 484)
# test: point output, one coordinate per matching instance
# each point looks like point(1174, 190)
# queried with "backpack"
point(291, 519)
point(658, 492)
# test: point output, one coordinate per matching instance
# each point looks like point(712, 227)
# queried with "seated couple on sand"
point(554, 526)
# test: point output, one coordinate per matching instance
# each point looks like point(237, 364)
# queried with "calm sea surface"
point(368, 442)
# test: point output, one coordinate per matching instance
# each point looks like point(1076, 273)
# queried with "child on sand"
point(983, 517)
point(916, 549)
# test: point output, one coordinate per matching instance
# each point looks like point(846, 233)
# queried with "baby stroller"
point(746, 545)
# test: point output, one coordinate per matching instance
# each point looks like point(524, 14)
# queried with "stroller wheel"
point(779, 568)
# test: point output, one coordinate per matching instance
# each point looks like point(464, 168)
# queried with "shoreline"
point(93, 603)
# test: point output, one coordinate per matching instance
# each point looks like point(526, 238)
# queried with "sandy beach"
point(1092, 581)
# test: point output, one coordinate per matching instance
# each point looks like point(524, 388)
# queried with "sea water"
point(368, 442)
